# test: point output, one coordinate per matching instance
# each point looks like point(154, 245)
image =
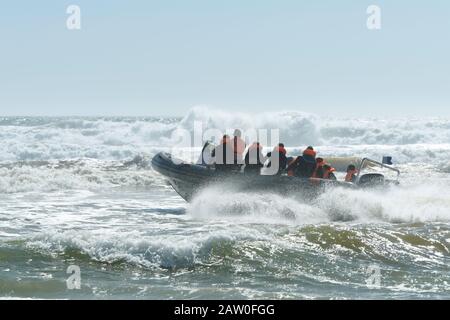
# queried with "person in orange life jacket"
point(351, 174)
point(279, 152)
point(238, 147)
point(254, 159)
point(318, 172)
point(223, 155)
point(304, 165)
point(290, 166)
point(328, 172)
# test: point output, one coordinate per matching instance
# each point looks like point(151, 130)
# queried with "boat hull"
point(189, 179)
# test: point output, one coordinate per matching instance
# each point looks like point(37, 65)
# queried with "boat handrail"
point(364, 160)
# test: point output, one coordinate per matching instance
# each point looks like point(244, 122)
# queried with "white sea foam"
point(68, 175)
point(123, 138)
point(57, 187)
point(166, 250)
point(106, 139)
point(218, 219)
point(427, 202)
point(94, 143)
point(217, 203)
point(409, 204)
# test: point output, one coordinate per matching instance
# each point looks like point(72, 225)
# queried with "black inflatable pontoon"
point(187, 179)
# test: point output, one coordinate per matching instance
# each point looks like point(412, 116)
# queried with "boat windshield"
point(369, 166)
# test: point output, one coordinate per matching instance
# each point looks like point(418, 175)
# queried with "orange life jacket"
point(349, 176)
point(238, 146)
point(225, 140)
point(318, 166)
point(280, 149)
point(254, 146)
point(309, 152)
point(326, 174)
point(254, 151)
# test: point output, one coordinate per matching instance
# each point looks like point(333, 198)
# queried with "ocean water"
point(81, 191)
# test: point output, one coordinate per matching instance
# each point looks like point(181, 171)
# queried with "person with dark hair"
point(351, 174)
point(223, 155)
point(304, 165)
point(254, 159)
point(328, 172)
point(279, 152)
point(318, 172)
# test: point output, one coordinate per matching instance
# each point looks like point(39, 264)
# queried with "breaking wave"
point(246, 241)
point(150, 251)
point(236, 245)
point(118, 138)
point(410, 204)
point(41, 153)
point(45, 176)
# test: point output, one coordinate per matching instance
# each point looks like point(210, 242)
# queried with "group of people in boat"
point(232, 153)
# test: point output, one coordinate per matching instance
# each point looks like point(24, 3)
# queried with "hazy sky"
point(162, 57)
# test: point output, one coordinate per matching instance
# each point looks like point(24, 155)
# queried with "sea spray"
point(116, 138)
point(81, 191)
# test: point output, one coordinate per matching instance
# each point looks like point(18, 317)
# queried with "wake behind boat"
point(187, 178)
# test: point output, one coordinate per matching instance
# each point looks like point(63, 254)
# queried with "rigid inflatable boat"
point(188, 178)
